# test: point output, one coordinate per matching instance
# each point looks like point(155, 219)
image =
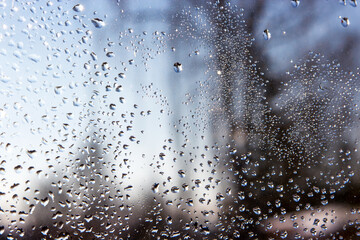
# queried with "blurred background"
point(179, 119)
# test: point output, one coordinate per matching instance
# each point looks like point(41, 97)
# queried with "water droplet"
point(267, 34)
point(78, 8)
point(18, 168)
point(190, 202)
point(220, 197)
point(45, 230)
point(178, 67)
point(283, 234)
point(342, 2)
point(296, 198)
point(76, 102)
point(98, 23)
point(175, 189)
point(110, 54)
point(257, 210)
point(58, 90)
point(345, 21)
point(118, 88)
point(353, 3)
point(93, 56)
point(155, 187)
point(31, 153)
point(45, 201)
point(169, 220)
point(35, 58)
point(128, 188)
point(295, 3)
point(161, 156)
point(121, 75)
point(112, 106)
point(181, 173)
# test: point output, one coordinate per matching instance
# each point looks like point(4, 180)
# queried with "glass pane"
point(179, 119)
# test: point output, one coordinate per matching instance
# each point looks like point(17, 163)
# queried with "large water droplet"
point(78, 8)
point(98, 23)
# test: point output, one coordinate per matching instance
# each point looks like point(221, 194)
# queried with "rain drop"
point(178, 67)
point(295, 3)
point(112, 106)
point(155, 187)
point(345, 21)
point(296, 198)
point(181, 173)
point(78, 8)
point(98, 23)
point(267, 34)
point(110, 54)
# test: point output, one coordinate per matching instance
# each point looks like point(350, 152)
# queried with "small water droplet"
point(295, 3)
point(267, 34)
point(110, 54)
point(296, 198)
point(257, 210)
point(98, 23)
point(345, 21)
point(58, 90)
point(76, 102)
point(353, 3)
point(45, 201)
point(155, 187)
point(35, 58)
point(181, 173)
point(112, 106)
point(169, 220)
point(45, 230)
point(122, 75)
point(118, 88)
point(93, 56)
point(78, 8)
point(31, 153)
point(175, 189)
point(283, 234)
point(342, 2)
point(178, 67)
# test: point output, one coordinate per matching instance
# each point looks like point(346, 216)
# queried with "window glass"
point(179, 119)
